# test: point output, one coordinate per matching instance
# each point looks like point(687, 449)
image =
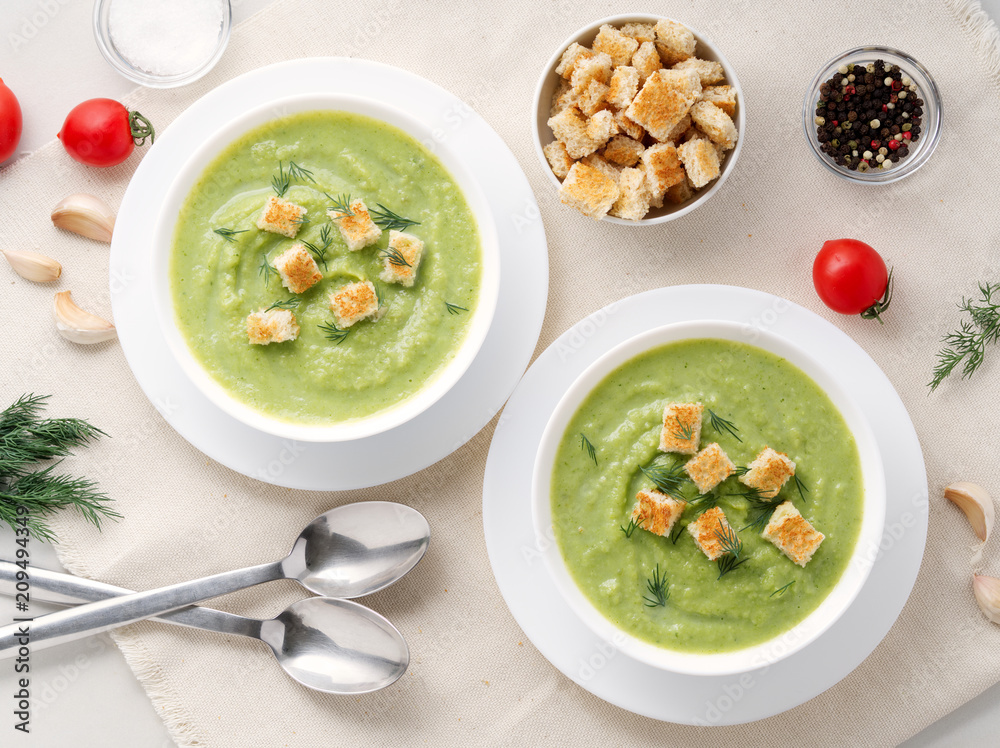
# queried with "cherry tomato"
point(851, 278)
point(102, 132)
point(10, 122)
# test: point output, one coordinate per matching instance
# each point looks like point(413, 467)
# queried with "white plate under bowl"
point(597, 664)
point(462, 411)
point(786, 643)
point(355, 428)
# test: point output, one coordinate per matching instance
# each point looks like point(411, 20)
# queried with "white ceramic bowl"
point(549, 79)
point(357, 428)
point(750, 658)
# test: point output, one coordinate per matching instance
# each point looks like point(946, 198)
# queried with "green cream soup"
point(771, 403)
point(216, 282)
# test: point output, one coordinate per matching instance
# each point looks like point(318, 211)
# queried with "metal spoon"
point(334, 646)
point(350, 551)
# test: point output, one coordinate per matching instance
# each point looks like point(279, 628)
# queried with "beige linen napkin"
point(474, 677)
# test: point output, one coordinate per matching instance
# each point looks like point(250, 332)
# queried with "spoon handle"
point(66, 589)
point(93, 618)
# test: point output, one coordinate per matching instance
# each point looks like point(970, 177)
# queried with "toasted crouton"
point(272, 326)
point(706, 531)
point(587, 69)
point(592, 97)
point(623, 87)
point(656, 512)
point(674, 42)
point(664, 99)
point(701, 161)
point(353, 303)
point(663, 170)
point(646, 61)
point(679, 193)
point(297, 268)
point(606, 168)
point(628, 127)
point(709, 467)
point(589, 190)
point(402, 258)
point(681, 428)
point(618, 46)
point(641, 32)
point(358, 229)
point(708, 71)
point(601, 127)
point(768, 472)
point(723, 97)
point(567, 63)
point(792, 534)
point(633, 195)
point(281, 217)
point(715, 123)
point(677, 134)
point(622, 150)
point(558, 158)
point(562, 97)
point(570, 126)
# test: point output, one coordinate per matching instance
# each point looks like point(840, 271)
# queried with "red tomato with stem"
point(851, 278)
point(102, 132)
point(11, 122)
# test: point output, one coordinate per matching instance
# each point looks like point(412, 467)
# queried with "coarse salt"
point(166, 38)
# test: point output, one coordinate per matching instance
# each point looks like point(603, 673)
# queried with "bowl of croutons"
point(638, 119)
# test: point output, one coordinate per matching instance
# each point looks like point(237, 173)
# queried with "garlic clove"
point(33, 266)
point(79, 326)
point(977, 505)
point(987, 592)
point(86, 215)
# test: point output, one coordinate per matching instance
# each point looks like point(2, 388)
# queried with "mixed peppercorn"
point(868, 116)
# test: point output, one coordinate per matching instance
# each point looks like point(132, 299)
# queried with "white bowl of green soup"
point(754, 532)
point(322, 275)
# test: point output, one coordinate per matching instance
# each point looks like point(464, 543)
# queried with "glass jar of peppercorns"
point(872, 115)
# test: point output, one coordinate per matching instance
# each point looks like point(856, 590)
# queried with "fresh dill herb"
point(29, 496)
point(755, 496)
point(281, 181)
point(742, 470)
point(759, 517)
point(333, 333)
point(632, 524)
point(657, 587)
point(876, 309)
point(675, 534)
point(320, 252)
point(969, 342)
point(286, 304)
point(454, 308)
point(781, 590)
point(762, 507)
point(395, 257)
point(297, 172)
point(732, 547)
point(379, 294)
point(706, 500)
point(268, 271)
point(229, 234)
point(587, 447)
point(720, 424)
point(684, 431)
point(385, 219)
point(341, 205)
point(667, 478)
point(800, 486)
point(301, 220)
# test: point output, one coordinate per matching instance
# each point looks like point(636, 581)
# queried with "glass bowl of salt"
point(162, 44)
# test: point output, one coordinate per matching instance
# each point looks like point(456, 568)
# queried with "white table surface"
point(85, 694)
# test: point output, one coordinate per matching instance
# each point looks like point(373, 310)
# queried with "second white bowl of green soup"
point(715, 506)
point(321, 274)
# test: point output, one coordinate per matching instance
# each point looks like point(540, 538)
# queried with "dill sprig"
point(732, 547)
point(675, 534)
point(741, 470)
point(395, 257)
point(706, 501)
point(720, 424)
point(379, 294)
point(385, 219)
point(761, 507)
point(454, 308)
point(341, 205)
point(969, 342)
point(587, 447)
point(781, 590)
point(632, 524)
point(229, 234)
point(684, 431)
point(268, 271)
point(668, 479)
point(297, 172)
point(800, 486)
point(657, 587)
point(283, 180)
point(25, 440)
point(286, 304)
point(333, 333)
point(320, 252)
